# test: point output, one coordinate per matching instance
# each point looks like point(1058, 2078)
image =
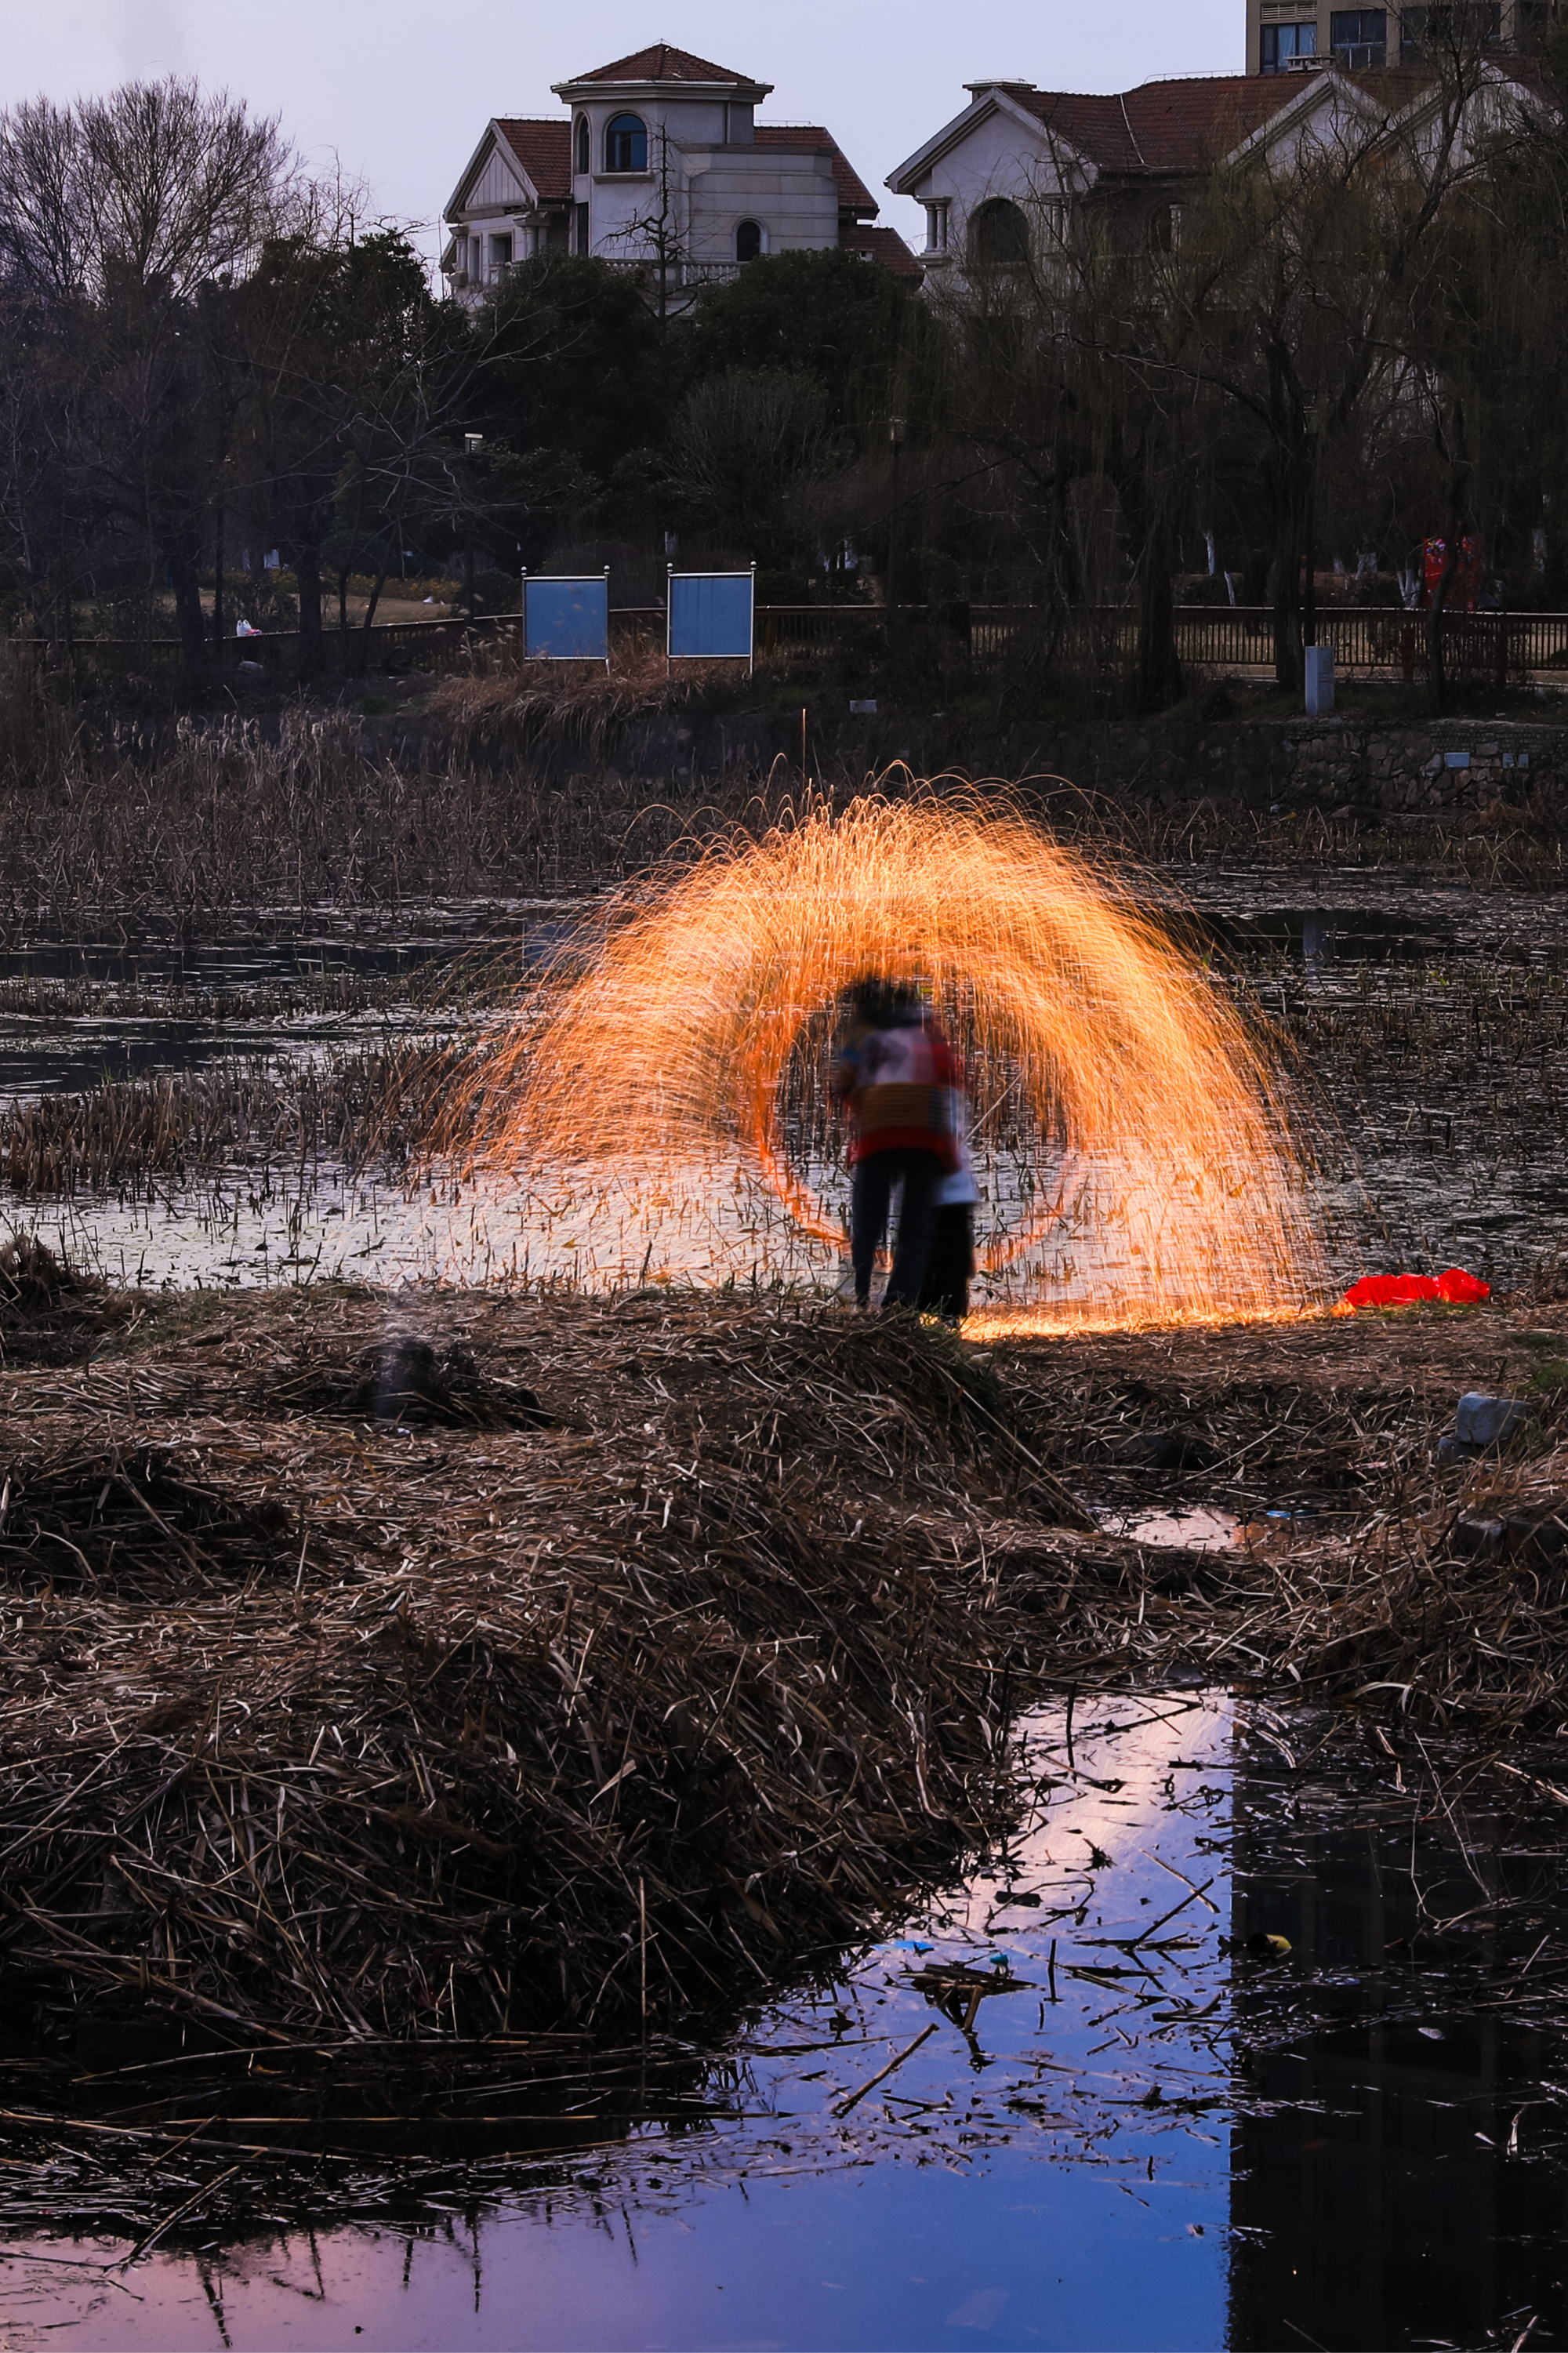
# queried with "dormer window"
point(625, 145)
point(584, 158)
point(748, 241)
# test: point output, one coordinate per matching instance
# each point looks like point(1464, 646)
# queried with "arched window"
point(584, 155)
point(625, 145)
point(748, 241)
point(998, 236)
point(1165, 228)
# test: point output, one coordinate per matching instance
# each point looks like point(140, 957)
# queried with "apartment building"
point(1297, 36)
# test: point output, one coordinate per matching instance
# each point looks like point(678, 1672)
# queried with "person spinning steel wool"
point(895, 1073)
point(945, 1290)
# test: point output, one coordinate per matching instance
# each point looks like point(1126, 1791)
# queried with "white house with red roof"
point(660, 162)
point(1013, 166)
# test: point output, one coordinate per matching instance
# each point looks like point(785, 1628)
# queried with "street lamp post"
point(472, 444)
point(1317, 661)
point(895, 443)
point(1310, 605)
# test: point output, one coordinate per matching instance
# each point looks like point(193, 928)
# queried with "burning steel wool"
point(663, 1112)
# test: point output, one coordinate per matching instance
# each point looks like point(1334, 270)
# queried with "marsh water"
point(1242, 2037)
point(1424, 1027)
point(1117, 2114)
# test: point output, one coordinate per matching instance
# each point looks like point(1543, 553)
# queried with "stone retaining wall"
point(1458, 763)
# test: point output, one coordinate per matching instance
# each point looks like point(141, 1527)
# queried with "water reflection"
point(1399, 2174)
point(1001, 2126)
point(1322, 937)
point(72, 1015)
point(1432, 1172)
point(1251, 2034)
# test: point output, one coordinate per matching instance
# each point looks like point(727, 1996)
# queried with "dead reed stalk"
point(324, 1725)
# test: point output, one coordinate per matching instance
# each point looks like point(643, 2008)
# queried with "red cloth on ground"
point(1453, 1285)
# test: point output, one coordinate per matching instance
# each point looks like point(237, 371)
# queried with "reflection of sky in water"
point(1006, 2186)
point(72, 1015)
point(708, 1223)
point(1362, 2140)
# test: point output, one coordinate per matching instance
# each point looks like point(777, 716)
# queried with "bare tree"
point(1067, 362)
point(124, 220)
point(657, 234)
point(749, 441)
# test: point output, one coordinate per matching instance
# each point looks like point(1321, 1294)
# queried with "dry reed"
point(329, 1729)
point(325, 1725)
point(129, 1134)
point(505, 702)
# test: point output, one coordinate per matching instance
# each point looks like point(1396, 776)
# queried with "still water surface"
point(1235, 2045)
point(1414, 1165)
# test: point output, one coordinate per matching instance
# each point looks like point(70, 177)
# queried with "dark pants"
point(875, 1178)
point(945, 1290)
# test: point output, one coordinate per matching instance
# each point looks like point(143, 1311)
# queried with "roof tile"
point(883, 245)
point(665, 62)
point(544, 151)
point(853, 193)
point(1180, 125)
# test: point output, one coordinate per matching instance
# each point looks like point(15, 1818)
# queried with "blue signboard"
point(711, 615)
point(566, 619)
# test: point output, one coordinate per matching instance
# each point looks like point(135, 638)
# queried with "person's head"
point(885, 1004)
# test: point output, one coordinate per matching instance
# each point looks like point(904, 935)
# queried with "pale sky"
point(402, 92)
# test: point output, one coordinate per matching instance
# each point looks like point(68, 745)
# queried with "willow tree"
point(1070, 395)
point(1318, 267)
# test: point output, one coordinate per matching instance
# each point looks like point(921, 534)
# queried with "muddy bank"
point(384, 1666)
point(447, 1665)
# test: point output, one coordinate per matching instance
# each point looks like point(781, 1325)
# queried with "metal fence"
point(1381, 642)
point(1368, 642)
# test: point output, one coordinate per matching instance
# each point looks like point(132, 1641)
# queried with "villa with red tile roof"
point(1014, 167)
point(659, 163)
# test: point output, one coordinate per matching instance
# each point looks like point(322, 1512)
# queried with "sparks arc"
point(668, 1054)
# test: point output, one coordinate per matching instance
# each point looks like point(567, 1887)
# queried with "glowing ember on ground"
point(664, 1112)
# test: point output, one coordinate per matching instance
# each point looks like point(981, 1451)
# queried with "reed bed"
point(174, 827)
point(134, 1137)
point(148, 998)
point(450, 1665)
point(327, 1726)
point(506, 703)
point(179, 830)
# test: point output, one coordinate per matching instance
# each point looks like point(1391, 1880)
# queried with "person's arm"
point(847, 1070)
point(949, 1069)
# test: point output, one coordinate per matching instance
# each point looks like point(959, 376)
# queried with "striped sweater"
point(898, 1084)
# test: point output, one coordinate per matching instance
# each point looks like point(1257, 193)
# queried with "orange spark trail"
point(1132, 1137)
